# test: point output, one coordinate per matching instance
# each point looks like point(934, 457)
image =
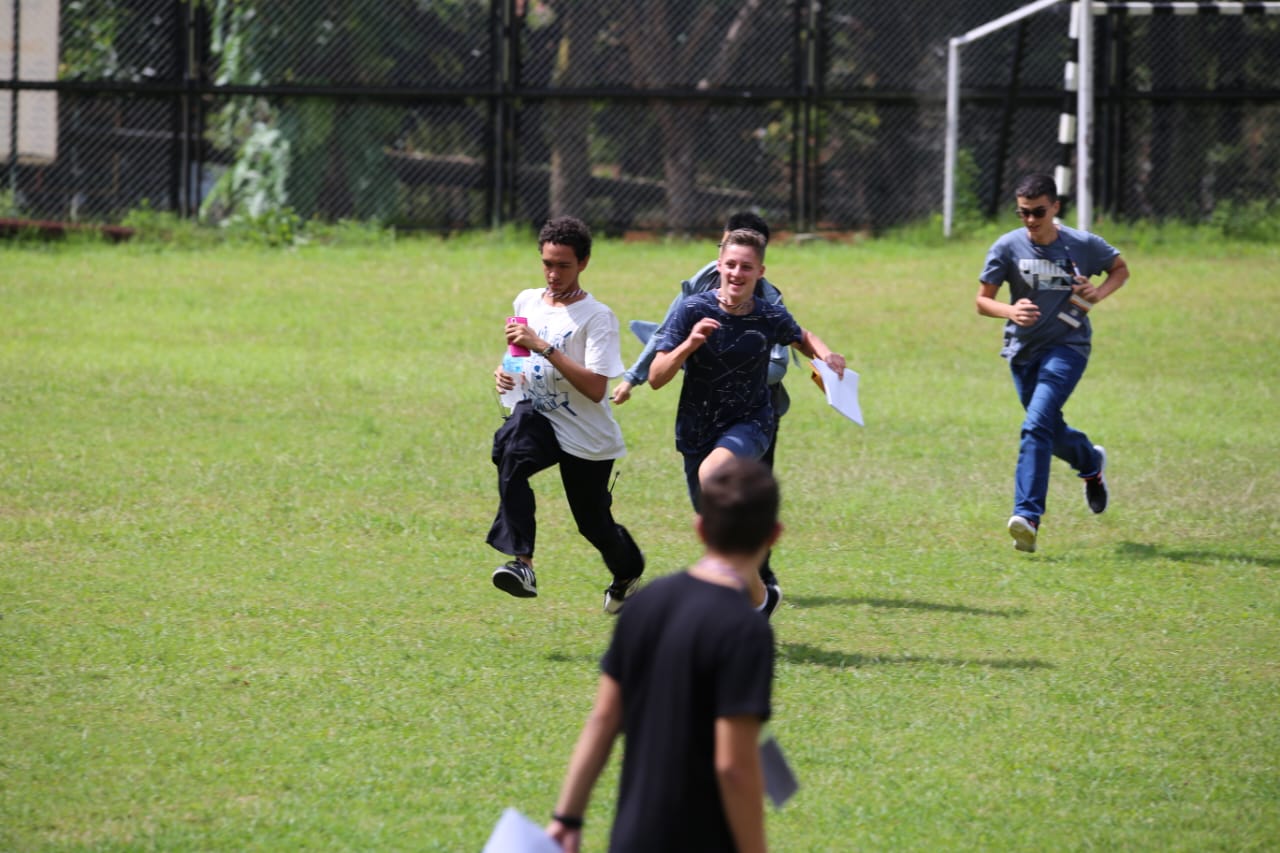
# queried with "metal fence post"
point(179, 111)
point(13, 103)
point(504, 56)
point(815, 67)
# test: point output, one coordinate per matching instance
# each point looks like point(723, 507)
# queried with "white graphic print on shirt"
point(1044, 274)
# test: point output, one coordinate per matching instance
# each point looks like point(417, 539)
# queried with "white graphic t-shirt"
point(587, 332)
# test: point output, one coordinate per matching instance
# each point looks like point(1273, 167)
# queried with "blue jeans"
point(1043, 386)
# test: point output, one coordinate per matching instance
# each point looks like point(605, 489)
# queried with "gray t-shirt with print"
point(1044, 274)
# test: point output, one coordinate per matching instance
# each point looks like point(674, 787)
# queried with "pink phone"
point(513, 349)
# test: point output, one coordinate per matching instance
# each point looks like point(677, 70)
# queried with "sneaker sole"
point(1024, 539)
point(512, 585)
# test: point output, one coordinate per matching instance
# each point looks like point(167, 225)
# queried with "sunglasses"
point(1032, 212)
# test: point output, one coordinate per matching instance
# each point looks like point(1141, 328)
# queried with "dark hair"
point(738, 503)
point(746, 237)
point(747, 219)
point(567, 231)
point(1034, 186)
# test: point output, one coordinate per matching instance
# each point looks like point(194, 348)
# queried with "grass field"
point(245, 598)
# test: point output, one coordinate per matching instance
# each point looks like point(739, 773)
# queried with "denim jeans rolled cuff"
point(1044, 385)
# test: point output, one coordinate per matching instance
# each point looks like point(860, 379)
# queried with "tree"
point(568, 130)
point(334, 148)
point(666, 43)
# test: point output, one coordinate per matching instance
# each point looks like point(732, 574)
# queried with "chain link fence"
point(659, 115)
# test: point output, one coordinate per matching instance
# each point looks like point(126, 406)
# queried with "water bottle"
point(513, 364)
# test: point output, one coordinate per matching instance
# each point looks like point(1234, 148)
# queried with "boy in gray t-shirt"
point(1047, 341)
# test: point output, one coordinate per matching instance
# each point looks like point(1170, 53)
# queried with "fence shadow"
point(904, 604)
point(1146, 551)
point(803, 653)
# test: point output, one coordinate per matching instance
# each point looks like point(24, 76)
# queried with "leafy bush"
point(8, 203)
point(1257, 220)
point(273, 226)
point(166, 227)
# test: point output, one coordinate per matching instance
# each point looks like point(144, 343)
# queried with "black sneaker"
point(1095, 487)
point(616, 594)
point(767, 575)
point(516, 578)
point(772, 598)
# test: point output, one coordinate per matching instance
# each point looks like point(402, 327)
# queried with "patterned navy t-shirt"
point(726, 379)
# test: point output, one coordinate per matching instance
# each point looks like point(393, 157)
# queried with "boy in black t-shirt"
point(687, 679)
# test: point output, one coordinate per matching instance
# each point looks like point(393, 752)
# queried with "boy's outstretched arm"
point(590, 755)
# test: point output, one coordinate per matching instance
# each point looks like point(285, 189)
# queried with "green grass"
point(244, 593)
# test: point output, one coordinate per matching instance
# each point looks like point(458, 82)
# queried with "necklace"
point(735, 307)
point(564, 297)
point(716, 567)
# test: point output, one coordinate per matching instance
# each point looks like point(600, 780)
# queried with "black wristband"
point(568, 822)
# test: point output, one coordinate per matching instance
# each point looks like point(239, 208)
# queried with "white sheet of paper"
point(842, 394)
point(515, 833)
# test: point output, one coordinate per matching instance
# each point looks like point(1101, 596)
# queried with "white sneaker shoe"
point(1023, 531)
point(617, 593)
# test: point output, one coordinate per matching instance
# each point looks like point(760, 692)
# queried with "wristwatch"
point(546, 353)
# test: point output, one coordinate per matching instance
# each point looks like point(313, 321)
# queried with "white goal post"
point(953, 98)
point(1078, 77)
point(28, 120)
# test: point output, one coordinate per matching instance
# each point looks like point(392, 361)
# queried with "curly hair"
point(567, 231)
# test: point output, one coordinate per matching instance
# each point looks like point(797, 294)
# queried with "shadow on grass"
point(803, 653)
point(1144, 551)
point(903, 604)
point(561, 657)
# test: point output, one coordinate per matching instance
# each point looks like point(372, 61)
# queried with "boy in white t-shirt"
point(564, 418)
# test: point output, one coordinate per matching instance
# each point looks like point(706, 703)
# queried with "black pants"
point(526, 444)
